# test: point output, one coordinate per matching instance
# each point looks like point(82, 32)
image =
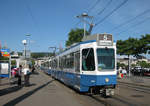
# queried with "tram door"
point(88, 62)
point(77, 69)
point(77, 62)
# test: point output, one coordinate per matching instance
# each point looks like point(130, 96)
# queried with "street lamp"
point(28, 39)
point(83, 18)
point(25, 44)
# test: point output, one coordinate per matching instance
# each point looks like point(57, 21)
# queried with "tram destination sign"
point(101, 39)
point(105, 40)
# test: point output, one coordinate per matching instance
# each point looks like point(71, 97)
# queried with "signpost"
point(5, 64)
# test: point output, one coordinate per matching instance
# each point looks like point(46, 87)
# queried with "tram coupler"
point(109, 92)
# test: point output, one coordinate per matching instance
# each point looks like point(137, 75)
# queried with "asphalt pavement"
point(136, 80)
point(43, 91)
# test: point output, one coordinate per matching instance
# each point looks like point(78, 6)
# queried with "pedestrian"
point(33, 68)
point(19, 75)
point(26, 72)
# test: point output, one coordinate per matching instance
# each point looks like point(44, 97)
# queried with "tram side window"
point(60, 63)
point(88, 63)
point(72, 60)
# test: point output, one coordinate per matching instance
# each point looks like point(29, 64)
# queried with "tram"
point(88, 66)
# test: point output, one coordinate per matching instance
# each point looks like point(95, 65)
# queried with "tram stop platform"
point(43, 91)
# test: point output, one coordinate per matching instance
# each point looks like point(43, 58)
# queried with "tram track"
point(101, 100)
point(114, 100)
point(136, 87)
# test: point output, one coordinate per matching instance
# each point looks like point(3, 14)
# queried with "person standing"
point(33, 68)
point(26, 72)
point(19, 75)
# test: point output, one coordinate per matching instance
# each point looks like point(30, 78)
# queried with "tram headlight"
point(106, 79)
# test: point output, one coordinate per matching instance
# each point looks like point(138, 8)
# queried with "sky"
point(48, 22)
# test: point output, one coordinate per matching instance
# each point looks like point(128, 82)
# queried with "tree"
point(121, 65)
point(13, 62)
point(40, 55)
point(134, 46)
point(74, 36)
point(120, 47)
point(143, 64)
point(127, 47)
point(145, 43)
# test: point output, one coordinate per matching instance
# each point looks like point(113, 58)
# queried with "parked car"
point(146, 71)
point(138, 71)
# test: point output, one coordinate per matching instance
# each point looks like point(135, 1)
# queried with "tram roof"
point(77, 44)
point(90, 39)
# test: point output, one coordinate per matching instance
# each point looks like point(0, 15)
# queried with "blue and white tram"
point(89, 66)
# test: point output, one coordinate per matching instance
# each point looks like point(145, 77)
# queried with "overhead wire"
point(115, 9)
point(103, 9)
point(108, 3)
point(141, 22)
point(77, 23)
point(130, 20)
point(90, 9)
point(31, 14)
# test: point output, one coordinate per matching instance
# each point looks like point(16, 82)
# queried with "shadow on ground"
point(35, 73)
point(9, 90)
point(26, 95)
point(12, 89)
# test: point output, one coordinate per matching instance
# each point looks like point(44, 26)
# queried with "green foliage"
point(74, 36)
point(120, 47)
point(13, 62)
point(33, 62)
point(127, 47)
point(145, 43)
point(133, 65)
point(121, 65)
point(20, 53)
point(134, 46)
point(40, 55)
point(143, 64)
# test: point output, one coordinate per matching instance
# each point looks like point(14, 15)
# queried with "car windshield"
point(106, 58)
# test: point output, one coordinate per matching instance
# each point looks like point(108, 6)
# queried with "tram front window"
point(106, 58)
point(88, 63)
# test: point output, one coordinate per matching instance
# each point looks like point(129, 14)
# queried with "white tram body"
point(89, 66)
